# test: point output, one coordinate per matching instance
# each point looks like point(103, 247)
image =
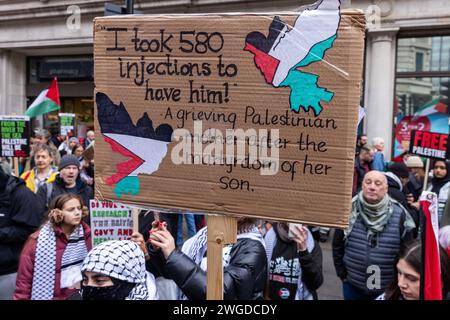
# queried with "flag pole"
point(422, 224)
point(422, 230)
point(16, 166)
point(427, 169)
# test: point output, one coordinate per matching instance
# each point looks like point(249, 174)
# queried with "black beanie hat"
point(68, 160)
point(399, 169)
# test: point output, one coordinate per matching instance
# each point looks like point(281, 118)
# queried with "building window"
point(421, 88)
point(419, 61)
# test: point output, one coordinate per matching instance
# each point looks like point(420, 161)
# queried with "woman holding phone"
point(295, 263)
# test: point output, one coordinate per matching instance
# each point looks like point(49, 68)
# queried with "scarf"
point(376, 216)
point(438, 183)
point(302, 293)
point(196, 246)
point(123, 260)
point(45, 262)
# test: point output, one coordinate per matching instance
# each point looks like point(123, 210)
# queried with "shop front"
point(75, 82)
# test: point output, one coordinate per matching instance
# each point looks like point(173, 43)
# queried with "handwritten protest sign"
point(110, 221)
point(67, 123)
point(15, 136)
point(238, 114)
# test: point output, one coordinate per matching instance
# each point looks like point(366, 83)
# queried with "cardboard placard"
point(435, 122)
point(110, 221)
point(291, 82)
point(429, 144)
point(67, 123)
point(15, 136)
point(88, 154)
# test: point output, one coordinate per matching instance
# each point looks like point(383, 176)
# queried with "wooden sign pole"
point(425, 181)
point(16, 166)
point(135, 217)
point(221, 231)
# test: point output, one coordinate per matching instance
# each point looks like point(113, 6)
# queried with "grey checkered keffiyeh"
point(45, 262)
point(122, 260)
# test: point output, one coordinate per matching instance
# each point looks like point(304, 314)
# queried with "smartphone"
point(292, 226)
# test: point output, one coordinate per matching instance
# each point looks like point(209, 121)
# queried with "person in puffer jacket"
point(365, 252)
point(244, 263)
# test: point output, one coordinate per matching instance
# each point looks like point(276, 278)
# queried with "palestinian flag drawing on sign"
point(286, 49)
point(145, 146)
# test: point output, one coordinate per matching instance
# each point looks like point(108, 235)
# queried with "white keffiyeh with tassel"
point(45, 262)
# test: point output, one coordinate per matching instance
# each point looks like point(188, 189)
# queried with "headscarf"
point(438, 183)
point(122, 260)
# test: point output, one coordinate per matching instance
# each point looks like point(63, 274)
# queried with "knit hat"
point(414, 162)
point(399, 169)
point(68, 160)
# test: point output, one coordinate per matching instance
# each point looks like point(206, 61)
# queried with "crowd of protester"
point(46, 249)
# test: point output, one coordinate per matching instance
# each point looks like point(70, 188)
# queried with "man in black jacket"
point(19, 217)
point(67, 181)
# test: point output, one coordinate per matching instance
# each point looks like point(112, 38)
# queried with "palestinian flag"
point(431, 107)
point(431, 286)
point(47, 101)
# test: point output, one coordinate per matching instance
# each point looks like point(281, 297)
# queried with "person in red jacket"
point(50, 263)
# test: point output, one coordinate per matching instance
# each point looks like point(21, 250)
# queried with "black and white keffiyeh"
point(45, 262)
point(196, 246)
point(123, 260)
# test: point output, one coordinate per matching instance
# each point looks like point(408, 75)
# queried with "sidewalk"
point(331, 288)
